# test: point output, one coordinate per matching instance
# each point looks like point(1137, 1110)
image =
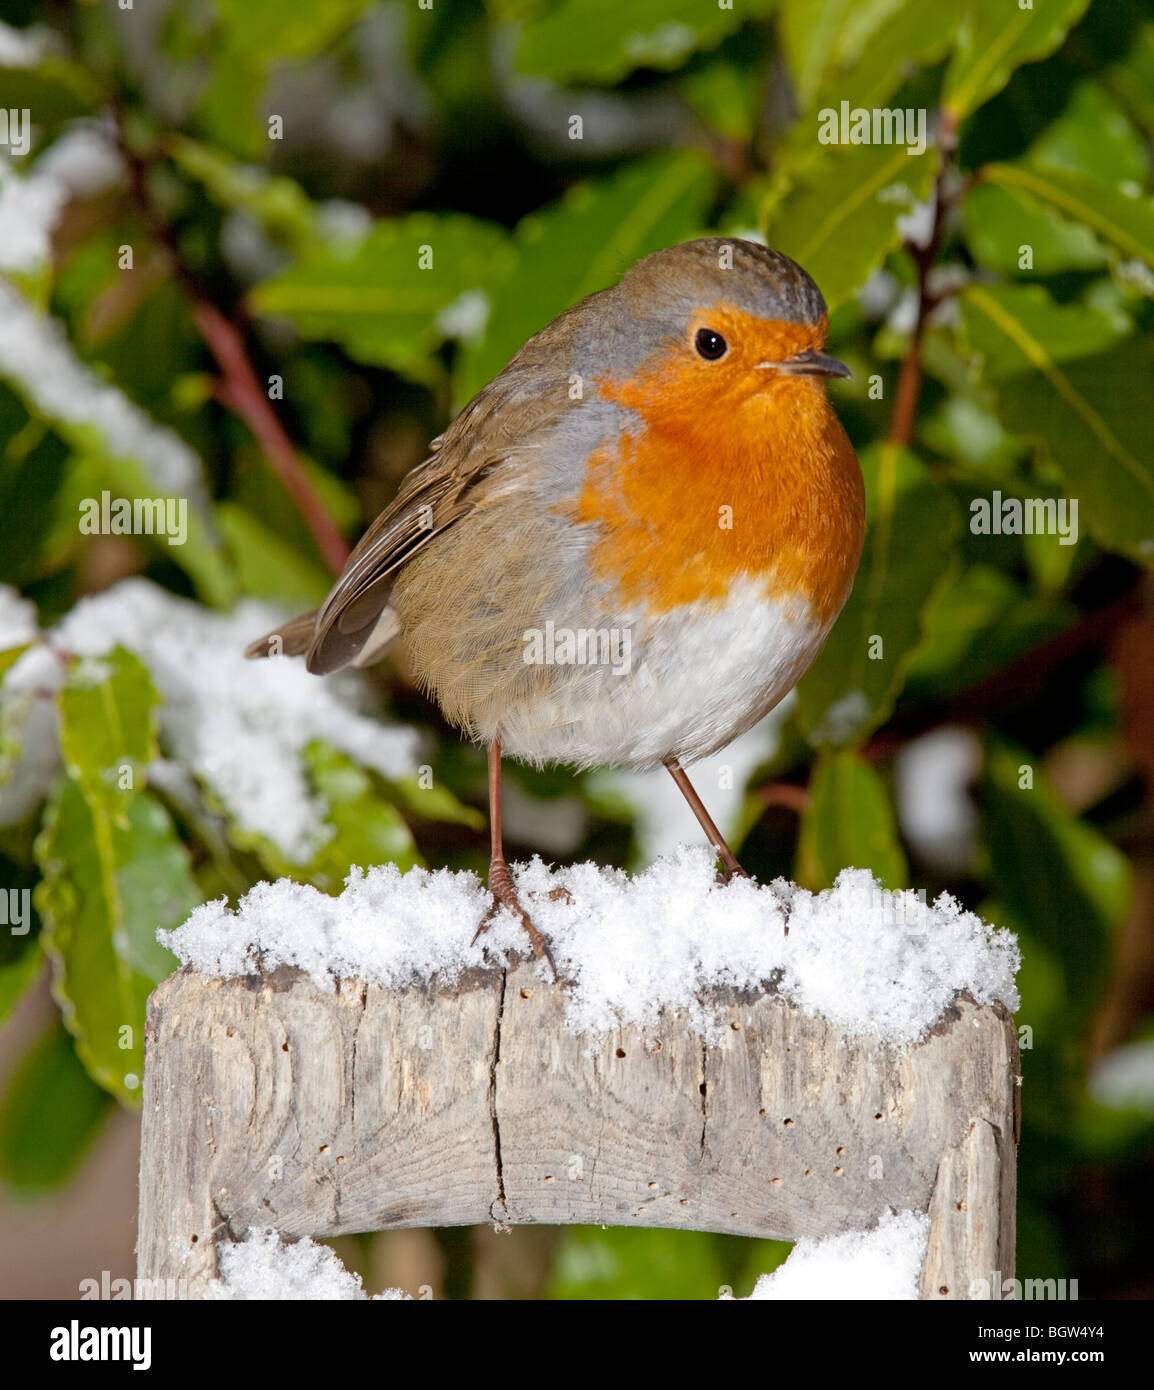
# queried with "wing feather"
point(497, 427)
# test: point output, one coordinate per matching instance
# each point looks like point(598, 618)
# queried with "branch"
point(240, 391)
point(910, 377)
point(787, 794)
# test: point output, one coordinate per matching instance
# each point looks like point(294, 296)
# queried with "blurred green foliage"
point(293, 164)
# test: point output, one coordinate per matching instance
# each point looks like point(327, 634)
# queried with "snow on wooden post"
point(270, 1101)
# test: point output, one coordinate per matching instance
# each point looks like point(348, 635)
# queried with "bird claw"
point(505, 895)
point(728, 872)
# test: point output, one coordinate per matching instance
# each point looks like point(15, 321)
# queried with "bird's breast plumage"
point(687, 500)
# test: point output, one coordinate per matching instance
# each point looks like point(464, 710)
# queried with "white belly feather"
point(682, 685)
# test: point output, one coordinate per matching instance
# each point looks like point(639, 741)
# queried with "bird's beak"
point(809, 363)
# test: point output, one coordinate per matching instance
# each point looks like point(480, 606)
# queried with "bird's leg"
point(729, 864)
point(500, 877)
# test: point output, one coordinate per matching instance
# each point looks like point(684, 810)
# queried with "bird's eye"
point(710, 345)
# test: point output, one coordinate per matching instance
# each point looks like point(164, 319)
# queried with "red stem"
point(910, 377)
point(787, 794)
point(242, 393)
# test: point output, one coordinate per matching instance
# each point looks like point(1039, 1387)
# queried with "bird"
point(631, 544)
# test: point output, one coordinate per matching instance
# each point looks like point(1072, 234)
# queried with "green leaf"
point(434, 802)
point(49, 1116)
point(258, 493)
point(1133, 77)
point(1051, 391)
point(1123, 220)
point(917, 36)
point(848, 824)
point(1000, 221)
point(368, 829)
point(583, 243)
point(628, 1262)
point(278, 203)
point(108, 728)
point(964, 427)
point(977, 625)
point(1001, 320)
point(32, 470)
point(17, 976)
point(815, 38)
point(12, 656)
point(839, 219)
point(1093, 136)
point(995, 37)
point(231, 110)
point(268, 565)
point(909, 554)
point(725, 95)
point(1066, 882)
point(602, 40)
point(269, 29)
point(847, 50)
point(54, 90)
point(376, 301)
point(106, 889)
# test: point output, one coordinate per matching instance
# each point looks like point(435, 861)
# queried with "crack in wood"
point(498, 1208)
point(703, 1088)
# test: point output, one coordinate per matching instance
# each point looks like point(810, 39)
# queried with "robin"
point(629, 545)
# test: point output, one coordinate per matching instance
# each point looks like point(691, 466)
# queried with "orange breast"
point(716, 485)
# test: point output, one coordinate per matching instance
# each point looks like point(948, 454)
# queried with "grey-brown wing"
point(500, 422)
point(431, 499)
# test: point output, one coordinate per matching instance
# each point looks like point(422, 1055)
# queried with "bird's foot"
point(729, 870)
point(505, 895)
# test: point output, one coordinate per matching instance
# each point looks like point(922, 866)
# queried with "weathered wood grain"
point(271, 1102)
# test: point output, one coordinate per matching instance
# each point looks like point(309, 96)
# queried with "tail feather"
point(290, 639)
point(296, 638)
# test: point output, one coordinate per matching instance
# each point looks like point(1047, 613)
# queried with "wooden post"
point(271, 1102)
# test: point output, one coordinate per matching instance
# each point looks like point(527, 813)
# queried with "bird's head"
point(716, 322)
